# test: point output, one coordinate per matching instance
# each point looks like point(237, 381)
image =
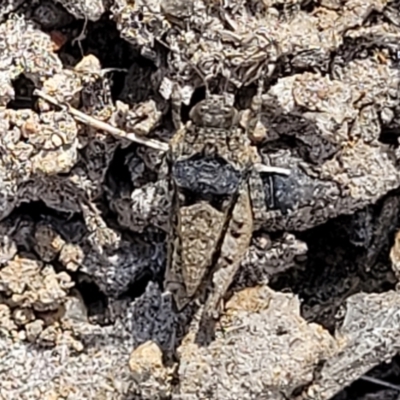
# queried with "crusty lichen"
point(330, 95)
point(263, 349)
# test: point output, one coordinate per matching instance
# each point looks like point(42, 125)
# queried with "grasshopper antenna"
point(201, 76)
point(194, 66)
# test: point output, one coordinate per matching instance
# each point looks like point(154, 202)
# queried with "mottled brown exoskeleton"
point(212, 165)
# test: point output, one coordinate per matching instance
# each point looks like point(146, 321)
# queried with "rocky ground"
point(314, 312)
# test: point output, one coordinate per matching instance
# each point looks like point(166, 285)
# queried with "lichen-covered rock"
point(92, 10)
point(65, 372)
point(7, 325)
point(36, 298)
point(267, 257)
point(152, 309)
point(148, 205)
point(48, 243)
point(115, 270)
point(71, 257)
point(25, 50)
point(34, 146)
point(342, 159)
point(27, 283)
point(264, 350)
point(83, 212)
point(368, 337)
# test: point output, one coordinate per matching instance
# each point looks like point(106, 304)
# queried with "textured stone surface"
point(84, 213)
point(264, 350)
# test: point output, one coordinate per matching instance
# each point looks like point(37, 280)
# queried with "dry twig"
point(95, 123)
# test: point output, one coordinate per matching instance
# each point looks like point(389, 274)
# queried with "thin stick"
point(268, 169)
point(380, 382)
point(95, 123)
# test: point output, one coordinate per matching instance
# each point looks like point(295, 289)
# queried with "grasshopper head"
point(214, 112)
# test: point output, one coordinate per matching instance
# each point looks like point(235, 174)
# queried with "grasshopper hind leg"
point(233, 250)
point(258, 198)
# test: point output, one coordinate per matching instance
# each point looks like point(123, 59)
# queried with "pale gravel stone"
point(146, 365)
